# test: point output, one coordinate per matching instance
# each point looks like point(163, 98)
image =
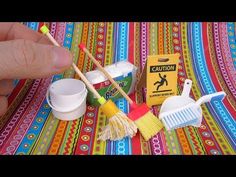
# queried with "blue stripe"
point(68, 37)
point(122, 146)
point(116, 42)
point(16, 81)
point(223, 118)
point(33, 25)
point(232, 41)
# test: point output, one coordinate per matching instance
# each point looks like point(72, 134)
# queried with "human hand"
point(25, 53)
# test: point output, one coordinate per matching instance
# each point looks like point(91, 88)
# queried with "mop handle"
point(82, 46)
point(45, 31)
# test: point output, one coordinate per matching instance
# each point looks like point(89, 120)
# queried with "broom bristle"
point(148, 125)
point(119, 126)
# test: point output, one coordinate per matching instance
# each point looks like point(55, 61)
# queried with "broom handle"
point(85, 80)
point(107, 75)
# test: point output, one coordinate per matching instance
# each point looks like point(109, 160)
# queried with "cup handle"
point(48, 99)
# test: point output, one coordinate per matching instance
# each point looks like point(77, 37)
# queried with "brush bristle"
point(119, 126)
point(180, 118)
point(148, 125)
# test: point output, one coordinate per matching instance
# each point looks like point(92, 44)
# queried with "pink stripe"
point(53, 28)
point(227, 54)
point(220, 59)
point(26, 120)
point(143, 44)
point(10, 126)
point(60, 33)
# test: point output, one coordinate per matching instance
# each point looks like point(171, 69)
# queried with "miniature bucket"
point(67, 98)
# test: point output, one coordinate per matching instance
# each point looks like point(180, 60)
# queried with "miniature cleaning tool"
point(181, 111)
point(147, 123)
point(120, 124)
point(67, 98)
point(182, 100)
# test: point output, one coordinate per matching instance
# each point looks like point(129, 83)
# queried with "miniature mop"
point(120, 125)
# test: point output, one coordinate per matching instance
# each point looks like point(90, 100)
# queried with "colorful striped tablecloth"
point(208, 58)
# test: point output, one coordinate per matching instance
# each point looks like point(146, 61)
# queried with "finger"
point(21, 59)
point(11, 31)
point(3, 105)
point(6, 86)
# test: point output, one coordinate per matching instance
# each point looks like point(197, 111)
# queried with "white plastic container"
point(123, 72)
point(67, 98)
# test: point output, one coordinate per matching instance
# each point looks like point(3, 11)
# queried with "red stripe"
point(131, 42)
point(100, 38)
point(40, 25)
point(70, 137)
point(16, 91)
point(136, 144)
point(83, 146)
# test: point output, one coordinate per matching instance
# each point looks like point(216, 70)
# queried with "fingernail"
point(62, 58)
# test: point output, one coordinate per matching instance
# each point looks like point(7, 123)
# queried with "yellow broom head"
point(149, 125)
point(119, 125)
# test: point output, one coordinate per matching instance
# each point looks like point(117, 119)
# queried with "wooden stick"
point(106, 74)
point(85, 80)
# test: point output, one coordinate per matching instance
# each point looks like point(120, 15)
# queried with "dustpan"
point(179, 101)
point(181, 111)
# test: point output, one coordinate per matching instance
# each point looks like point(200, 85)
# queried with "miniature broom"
point(147, 123)
point(120, 124)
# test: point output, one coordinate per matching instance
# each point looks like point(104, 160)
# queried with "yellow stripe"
point(84, 37)
point(160, 37)
point(100, 147)
point(57, 138)
point(41, 146)
point(74, 49)
point(183, 142)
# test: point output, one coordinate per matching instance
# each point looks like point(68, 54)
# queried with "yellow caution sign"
point(160, 77)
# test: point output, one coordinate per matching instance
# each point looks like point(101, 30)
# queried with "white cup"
point(67, 98)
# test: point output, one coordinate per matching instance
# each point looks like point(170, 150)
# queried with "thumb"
point(26, 59)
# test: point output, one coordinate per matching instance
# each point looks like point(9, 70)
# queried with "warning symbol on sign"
point(160, 83)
